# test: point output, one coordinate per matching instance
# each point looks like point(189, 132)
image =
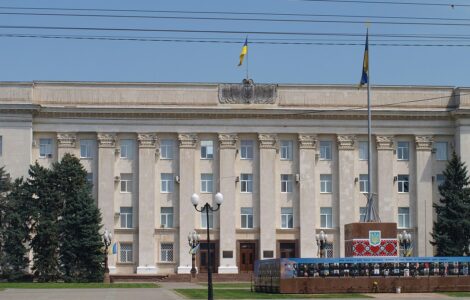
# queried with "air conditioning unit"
point(237, 179)
point(317, 156)
point(177, 179)
point(117, 178)
point(117, 150)
point(434, 150)
point(49, 155)
point(297, 177)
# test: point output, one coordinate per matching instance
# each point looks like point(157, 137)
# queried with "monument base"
point(370, 239)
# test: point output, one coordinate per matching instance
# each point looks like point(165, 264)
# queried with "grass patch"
point(224, 285)
point(64, 285)
point(456, 294)
point(247, 294)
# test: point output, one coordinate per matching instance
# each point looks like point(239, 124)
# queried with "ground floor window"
point(166, 252)
point(126, 253)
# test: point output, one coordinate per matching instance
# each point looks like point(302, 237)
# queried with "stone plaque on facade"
point(247, 93)
point(227, 254)
point(268, 254)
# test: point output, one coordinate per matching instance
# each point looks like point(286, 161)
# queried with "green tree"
point(5, 185)
point(451, 232)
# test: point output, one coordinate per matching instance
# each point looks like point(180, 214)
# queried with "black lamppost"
point(193, 241)
point(219, 198)
point(321, 243)
point(405, 241)
point(107, 236)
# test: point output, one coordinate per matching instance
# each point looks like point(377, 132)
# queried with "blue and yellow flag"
point(365, 64)
point(244, 51)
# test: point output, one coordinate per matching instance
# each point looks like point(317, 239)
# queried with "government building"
point(290, 161)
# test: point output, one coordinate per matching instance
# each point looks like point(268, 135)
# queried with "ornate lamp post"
point(219, 198)
point(107, 237)
point(404, 239)
point(321, 238)
point(193, 240)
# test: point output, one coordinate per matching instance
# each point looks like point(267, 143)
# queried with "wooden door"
point(204, 257)
point(287, 250)
point(247, 256)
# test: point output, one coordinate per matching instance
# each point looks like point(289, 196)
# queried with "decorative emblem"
point(247, 93)
point(375, 237)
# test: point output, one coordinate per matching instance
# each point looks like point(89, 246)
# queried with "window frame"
point(127, 251)
point(126, 217)
point(128, 145)
point(440, 179)
point(404, 217)
point(247, 183)
point(167, 147)
point(363, 153)
point(362, 213)
point(204, 219)
point(248, 216)
point(363, 183)
point(165, 254)
point(246, 149)
point(206, 145)
point(403, 186)
point(328, 217)
point(286, 150)
point(401, 151)
point(326, 150)
point(165, 217)
point(287, 217)
point(207, 184)
point(124, 179)
point(87, 145)
point(287, 183)
point(445, 148)
point(168, 183)
point(47, 148)
point(326, 185)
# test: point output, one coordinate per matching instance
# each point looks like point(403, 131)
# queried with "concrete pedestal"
point(371, 239)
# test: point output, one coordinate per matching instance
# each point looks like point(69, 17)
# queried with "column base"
point(112, 270)
point(146, 270)
point(184, 270)
point(228, 270)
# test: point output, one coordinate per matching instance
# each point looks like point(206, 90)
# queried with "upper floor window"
point(325, 150)
point(126, 183)
point(89, 178)
point(166, 217)
point(287, 217)
point(441, 150)
point(166, 252)
point(126, 217)
point(246, 149)
point(325, 183)
point(363, 151)
point(126, 254)
point(403, 217)
point(326, 220)
point(246, 183)
point(286, 150)
point(206, 183)
point(246, 214)
point(166, 183)
point(45, 148)
point(403, 183)
point(207, 149)
point(286, 183)
point(167, 149)
point(403, 150)
point(440, 178)
point(1, 145)
point(204, 219)
point(86, 148)
point(127, 149)
point(362, 214)
point(363, 183)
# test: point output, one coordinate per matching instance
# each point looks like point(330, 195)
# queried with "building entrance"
point(247, 256)
point(287, 249)
point(204, 257)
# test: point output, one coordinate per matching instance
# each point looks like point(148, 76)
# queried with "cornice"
point(307, 141)
point(346, 142)
point(106, 140)
point(384, 142)
point(424, 142)
point(187, 140)
point(146, 140)
point(267, 141)
point(66, 140)
point(228, 140)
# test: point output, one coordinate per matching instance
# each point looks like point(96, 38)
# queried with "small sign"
point(227, 254)
point(375, 237)
point(268, 254)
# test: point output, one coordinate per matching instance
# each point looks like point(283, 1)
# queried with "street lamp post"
point(107, 236)
point(193, 240)
point(321, 243)
point(219, 198)
point(405, 241)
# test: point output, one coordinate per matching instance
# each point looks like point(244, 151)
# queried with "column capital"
point(146, 140)
point(187, 140)
point(66, 139)
point(106, 140)
point(384, 142)
point(307, 141)
point(424, 142)
point(346, 142)
point(228, 140)
point(267, 141)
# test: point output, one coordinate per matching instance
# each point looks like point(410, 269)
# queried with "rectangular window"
point(206, 183)
point(166, 183)
point(326, 220)
point(167, 149)
point(126, 183)
point(166, 217)
point(403, 217)
point(166, 252)
point(246, 149)
point(286, 183)
point(362, 214)
point(325, 183)
point(127, 149)
point(287, 218)
point(329, 250)
point(126, 217)
point(45, 148)
point(246, 183)
point(286, 150)
point(363, 183)
point(403, 183)
point(126, 254)
point(89, 178)
point(440, 178)
point(325, 150)
point(204, 219)
point(441, 150)
point(246, 214)
point(1, 145)
point(86, 148)
point(207, 149)
point(363, 151)
point(403, 150)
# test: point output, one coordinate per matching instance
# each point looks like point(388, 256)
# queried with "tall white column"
point(147, 152)
point(386, 202)
point(346, 177)
point(66, 143)
point(267, 194)
point(187, 175)
point(228, 213)
point(308, 203)
point(424, 209)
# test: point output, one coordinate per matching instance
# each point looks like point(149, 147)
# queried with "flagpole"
point(247, 55)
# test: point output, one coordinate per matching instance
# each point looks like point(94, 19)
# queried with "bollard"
point(398, 290)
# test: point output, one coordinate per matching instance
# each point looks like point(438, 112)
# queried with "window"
point(403, 151)
point(286, 150)
point(86, 148)
point(403, 181)
point(1, 145)
point(363, 151)
point(246, 149)
point(166, 183)
point(329, 250)
point(166, 149)
point(246, 214)
point(286, 183)
point(89, 178)
point(362, 214)
point(207, 149)
point(287, 217)
point(204, 219)
point(166, 217)
point(403, 217)
point(246, 181)
point(326, 217)
point(440, 178)
point(325, 150)
point(45, 148)
point(206, 183)
point(126, 217)
point(127, 149)
point(125, 253)
point(166, 252)
point(126, 183)
point(363, 183)
point(441, 150)
point(325, 183)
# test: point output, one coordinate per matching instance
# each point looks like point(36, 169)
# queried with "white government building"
point(290, 160)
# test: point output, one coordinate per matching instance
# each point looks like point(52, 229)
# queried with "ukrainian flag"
point(244, 51)
point(365, 64)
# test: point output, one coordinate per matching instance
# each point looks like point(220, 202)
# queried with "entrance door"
point(247, 256)
point(287, 250)
point(204, 257)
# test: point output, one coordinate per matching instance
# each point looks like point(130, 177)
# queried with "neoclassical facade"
point(290, 160)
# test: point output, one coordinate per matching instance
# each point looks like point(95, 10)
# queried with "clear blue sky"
point(27, 59)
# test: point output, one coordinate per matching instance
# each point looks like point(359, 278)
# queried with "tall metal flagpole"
point(247, 54)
